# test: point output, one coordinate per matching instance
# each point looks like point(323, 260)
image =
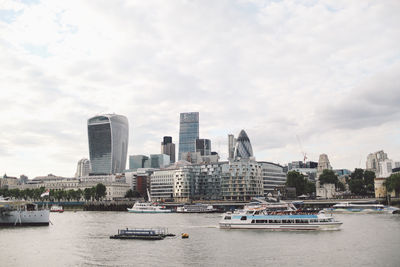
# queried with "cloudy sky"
point(325, 73)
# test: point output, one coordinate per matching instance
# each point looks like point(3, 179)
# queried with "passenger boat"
point(142, 233)
point(56, 208)
point(22, 213)
point(347, 207)
point(148, 207)
point(196, 208)
point(278, 219)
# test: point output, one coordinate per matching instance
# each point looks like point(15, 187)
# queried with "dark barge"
point(142, 233)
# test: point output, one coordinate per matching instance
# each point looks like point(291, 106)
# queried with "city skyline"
point(326, 72)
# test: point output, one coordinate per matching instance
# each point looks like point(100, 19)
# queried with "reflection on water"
point(82, 238)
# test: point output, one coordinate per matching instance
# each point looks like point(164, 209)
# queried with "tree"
point(357, 174)
point(357, 186)
point(328, 177)
point(87, 193)
point(309, 187)
point(100, 190)
point(296, 179)
point(393, 183)
point(78, 194)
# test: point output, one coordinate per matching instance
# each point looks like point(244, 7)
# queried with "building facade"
point(168, 148)
point(373, 160)
point(138, 161)
point(243, 148)
point(188, 132)
point(83, 168)
point(159, 161)
point(108, 143)
point(203, 146)
point(273, 176)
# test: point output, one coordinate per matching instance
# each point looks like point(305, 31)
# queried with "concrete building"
point(385, 168)
point(162, 184)
point(231, 146)
point(83, 168)
point(8, 182)
point(108, 143)
point(188, 132)
point(324, 191)
point(373, 160)
point(168, 148)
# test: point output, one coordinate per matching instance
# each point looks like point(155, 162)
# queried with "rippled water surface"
point(82, 239)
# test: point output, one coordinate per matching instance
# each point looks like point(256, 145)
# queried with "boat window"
point(252, 221)
point(227, 218)
point(243, 218)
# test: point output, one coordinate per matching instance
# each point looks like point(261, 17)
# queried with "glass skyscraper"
point(188, 132)
point(108, 143)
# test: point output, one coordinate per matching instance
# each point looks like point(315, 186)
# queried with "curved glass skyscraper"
point(108, 143)
point(243, 149)
point(188, 132)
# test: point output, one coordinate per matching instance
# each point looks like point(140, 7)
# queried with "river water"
point(82, 239)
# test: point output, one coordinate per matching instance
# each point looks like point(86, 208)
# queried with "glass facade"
point(108, 143)
point(243, 149)
point(203, 146)
point(188, 132)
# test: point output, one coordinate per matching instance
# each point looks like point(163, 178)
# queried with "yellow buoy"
point(185, 235)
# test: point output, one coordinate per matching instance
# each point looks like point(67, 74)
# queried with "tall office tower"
point(231, 146)
point(188, 132)
point(203, 146)
point(168, 148)
point(83, 168)
point(108, 143)
point(243, 149)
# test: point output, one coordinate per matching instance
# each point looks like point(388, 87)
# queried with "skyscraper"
point(108, 143)
point(188, 132)
point(168, 148)
point(203, 146)
point(243, 149)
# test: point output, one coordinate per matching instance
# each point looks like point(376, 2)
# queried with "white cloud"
point(324, 70)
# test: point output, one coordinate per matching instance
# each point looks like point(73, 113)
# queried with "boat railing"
point(143, 231)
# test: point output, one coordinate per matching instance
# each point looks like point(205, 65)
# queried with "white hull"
point(34, 217)
point(282, 227)
point(149, 211)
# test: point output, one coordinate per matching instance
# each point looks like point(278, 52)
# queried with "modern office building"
point(108, 143)
point(188, 132)
point(83, 168)
point(231, 146)
point(138, 162)
point(159, 161)
point(273, 176)
point(203, 146)
point(243, 149)
point(168, 148)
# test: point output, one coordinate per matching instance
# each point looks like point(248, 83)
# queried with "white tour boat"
point(346, 207)
point(148, 207)
point(196, 208)
point(21, 213)
point(278, 216)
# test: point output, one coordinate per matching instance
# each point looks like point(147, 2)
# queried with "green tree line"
point(94, 193)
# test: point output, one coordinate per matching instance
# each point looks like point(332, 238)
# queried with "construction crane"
point(301, 149)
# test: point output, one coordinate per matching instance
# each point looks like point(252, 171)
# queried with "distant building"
point(83, 168)
point(168, 148)
point(8, 182)
point(323, 164)
point(203, 146)
point(231, 146)
point(108, 143)
point(138, 161)
point(273, 177)
point(188, 132)
point(385, 168)
point(243, 148)
point(159, 161)
point(324, 191)
point(23, 179)
point(373, 160)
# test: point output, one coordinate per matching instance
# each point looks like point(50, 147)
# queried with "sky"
point(299, 76)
